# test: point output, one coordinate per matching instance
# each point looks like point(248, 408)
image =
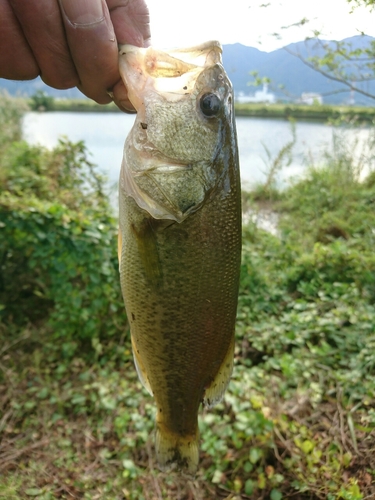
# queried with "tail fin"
point(174, 449)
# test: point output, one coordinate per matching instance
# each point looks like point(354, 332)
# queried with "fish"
point(180, 236)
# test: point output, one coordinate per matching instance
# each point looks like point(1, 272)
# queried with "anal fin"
point(215, 391)
point(141, 371)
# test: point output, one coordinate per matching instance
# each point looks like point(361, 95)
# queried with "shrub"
point(58, 245)
point(41, 101)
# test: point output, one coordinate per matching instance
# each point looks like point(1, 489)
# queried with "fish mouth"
point(175, 61)
point(173, 71)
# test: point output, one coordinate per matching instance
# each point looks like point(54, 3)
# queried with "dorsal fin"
point(214, 393)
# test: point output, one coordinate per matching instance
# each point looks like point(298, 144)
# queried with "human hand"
point(71, 43)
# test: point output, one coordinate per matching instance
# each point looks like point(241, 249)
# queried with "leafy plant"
point(41, 101)
point(58, 245)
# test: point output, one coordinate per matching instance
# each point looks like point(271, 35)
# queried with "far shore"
point(255, 110)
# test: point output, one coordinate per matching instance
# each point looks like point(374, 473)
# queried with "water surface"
point(104, 135)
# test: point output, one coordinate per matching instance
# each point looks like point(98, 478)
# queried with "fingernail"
point(84, 12)
point(127, 107)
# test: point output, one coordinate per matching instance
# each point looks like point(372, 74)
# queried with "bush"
point(41, 101)
point(58, 246)
point(11, 114)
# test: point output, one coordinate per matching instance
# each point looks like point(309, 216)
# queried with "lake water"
point(104, 135)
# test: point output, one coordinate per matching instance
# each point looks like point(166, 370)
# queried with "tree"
point(341, 61)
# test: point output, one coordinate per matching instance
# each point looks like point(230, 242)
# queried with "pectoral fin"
point(215, 391)
point(148, 252)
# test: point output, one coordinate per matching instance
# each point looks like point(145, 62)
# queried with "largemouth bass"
point(180, 235)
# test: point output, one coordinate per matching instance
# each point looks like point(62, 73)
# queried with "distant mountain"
point(286, 69)
point(281, 66)
point(28, 88)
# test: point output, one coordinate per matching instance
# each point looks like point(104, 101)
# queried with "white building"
point(311, 98)
point(259, 96)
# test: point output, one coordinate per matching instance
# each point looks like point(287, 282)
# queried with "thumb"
point(93, 46)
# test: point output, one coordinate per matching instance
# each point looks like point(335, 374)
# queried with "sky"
point(177, 23)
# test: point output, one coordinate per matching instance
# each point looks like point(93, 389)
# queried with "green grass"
point(304, 112)
point(298, 418)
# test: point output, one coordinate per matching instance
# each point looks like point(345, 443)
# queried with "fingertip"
point(27, 69)
point(121, 98)
point(124, 107)
point(100, 98)
point(60, 82)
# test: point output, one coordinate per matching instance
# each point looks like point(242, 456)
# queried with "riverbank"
point(298, 417)
point(305, 112)
point(261, 110)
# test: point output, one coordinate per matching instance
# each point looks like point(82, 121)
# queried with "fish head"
point(171, 164)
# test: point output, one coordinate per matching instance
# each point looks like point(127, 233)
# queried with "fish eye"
point(210, 104)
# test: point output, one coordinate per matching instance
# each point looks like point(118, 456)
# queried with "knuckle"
point(60, 82)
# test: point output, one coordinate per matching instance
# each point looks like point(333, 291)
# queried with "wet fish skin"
point(180, 239)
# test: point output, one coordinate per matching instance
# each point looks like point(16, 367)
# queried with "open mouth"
point(172, 71)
